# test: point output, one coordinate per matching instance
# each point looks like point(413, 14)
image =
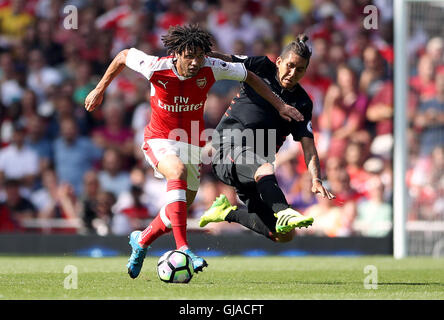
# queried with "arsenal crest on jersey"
point(201, 83)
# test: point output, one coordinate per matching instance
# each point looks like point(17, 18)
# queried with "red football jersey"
point(177, 102)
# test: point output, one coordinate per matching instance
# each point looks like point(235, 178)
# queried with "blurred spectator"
point(346, 196)
point(71, 61)
point(46, 194)
point(424, 82)
point(18, 161)
point(355, 155)
point(288, 12)
point(326, 14)
point(429, 119)
point(175, 14)
point(131, 216)
point(11, 89)
point(83, 82)
point(38, 142)
point(344, 111)
point(374, 218)
point(112, 178)
point(28, 106)
point(375, 71)
point(380, 113)
point(337, 56)
point(88, 200)
point(15, 210)
point(425, 181)
point(63, 107)
point(232, 23)
point(114, 134)
point(141, 116)
point(41, 77)
point(435, 50)
point(14, 20)
point(44, 40)
point(286, 165)
point(104, 214)
point(73, 155)
point(350, 19)
point(119, 18)
point(56, 202)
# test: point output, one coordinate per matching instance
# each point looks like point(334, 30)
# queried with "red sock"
point(156, 228)
point(176, 210)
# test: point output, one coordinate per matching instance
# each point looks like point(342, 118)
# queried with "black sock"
point(250, 221)
point(271, 194)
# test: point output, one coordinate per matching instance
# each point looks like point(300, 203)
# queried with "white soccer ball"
point(175, 267)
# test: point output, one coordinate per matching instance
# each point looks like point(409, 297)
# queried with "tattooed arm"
point(313, 166)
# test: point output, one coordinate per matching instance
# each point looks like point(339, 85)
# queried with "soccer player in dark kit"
point(249, 135)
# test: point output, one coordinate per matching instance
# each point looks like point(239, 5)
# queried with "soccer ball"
point(175, 266)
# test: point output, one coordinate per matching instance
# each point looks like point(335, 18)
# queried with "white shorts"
point(190, 155)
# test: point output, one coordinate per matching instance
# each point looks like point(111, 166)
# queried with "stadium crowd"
point(61, 163)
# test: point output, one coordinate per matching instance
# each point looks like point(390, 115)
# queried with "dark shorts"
point(236, 166)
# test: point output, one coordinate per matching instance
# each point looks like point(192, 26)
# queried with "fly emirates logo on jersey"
point(180, 105)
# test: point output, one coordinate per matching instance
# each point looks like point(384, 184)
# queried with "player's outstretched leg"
point(217, 212)
point(198, 262)
point(290, 219)
point(138, 254)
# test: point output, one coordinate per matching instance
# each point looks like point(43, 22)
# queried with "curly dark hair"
point(299, 47)
point(191, 37)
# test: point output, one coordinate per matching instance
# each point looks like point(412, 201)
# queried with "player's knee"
point(264, 170)
point(177, 170)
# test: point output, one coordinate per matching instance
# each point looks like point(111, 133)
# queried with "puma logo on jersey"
point(163, 83)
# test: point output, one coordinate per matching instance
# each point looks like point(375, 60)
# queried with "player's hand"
point(290, 113)
point(319, 188)
point(94, 99)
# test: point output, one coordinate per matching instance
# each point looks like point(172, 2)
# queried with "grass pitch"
point(237, 278)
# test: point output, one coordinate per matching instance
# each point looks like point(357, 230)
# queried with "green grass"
point(268, 278)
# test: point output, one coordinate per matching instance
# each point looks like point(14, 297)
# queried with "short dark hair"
point(299, 47)
point(191, 37)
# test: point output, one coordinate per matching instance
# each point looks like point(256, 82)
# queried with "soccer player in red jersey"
point(179, 87)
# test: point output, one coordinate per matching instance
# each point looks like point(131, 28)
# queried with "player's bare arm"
point(286, 111)
point(312, 161)
point(95, 97)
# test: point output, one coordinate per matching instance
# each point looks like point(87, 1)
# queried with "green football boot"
point(217, 212)
point(290, 219)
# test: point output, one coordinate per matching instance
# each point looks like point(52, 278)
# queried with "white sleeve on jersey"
point(140, 62)
point(227, 70)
